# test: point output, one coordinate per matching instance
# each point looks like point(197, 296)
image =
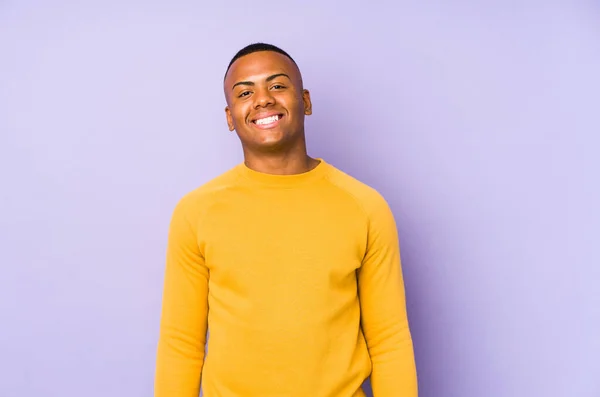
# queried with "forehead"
point(259, 65)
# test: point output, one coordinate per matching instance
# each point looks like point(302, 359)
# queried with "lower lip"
point(268, 126)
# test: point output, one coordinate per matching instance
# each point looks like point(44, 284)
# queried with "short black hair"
point(256, 47)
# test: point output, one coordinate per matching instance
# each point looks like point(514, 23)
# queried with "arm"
point(383, 309)
point(183, 324)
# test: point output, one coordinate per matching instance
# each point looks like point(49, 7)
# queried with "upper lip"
point(263, 115)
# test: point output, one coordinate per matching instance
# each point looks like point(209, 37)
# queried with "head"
point(266, 100)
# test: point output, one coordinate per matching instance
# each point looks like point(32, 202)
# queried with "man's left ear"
point(307, 102)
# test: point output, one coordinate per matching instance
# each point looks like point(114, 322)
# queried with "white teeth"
point(267, 120)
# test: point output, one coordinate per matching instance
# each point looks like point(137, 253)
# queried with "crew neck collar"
point(290, 180)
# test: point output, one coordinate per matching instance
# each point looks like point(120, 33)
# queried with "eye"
point(243, 94)
point(278, 86)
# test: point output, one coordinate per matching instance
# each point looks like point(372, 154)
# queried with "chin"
point(269, 138)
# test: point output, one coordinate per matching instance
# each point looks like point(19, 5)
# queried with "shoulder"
point(366, 196)
point(380, 219)
point(200, 199)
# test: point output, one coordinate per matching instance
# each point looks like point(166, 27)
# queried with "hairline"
point(235, 59)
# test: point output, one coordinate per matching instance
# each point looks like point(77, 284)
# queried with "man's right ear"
point(229, 119)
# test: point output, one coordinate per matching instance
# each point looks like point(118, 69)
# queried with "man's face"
point(266, 103)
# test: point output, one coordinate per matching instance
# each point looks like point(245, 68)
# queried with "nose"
point(263, 98)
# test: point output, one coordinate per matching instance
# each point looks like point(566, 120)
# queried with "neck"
point(280, 163)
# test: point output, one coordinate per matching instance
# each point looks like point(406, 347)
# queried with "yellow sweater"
point(298, 280)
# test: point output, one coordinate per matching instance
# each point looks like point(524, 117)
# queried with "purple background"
point(479, 122)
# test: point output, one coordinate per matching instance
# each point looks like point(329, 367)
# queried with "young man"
point(292, 265)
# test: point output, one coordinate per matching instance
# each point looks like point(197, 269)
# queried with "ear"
point(307, 102)
point(229, 119)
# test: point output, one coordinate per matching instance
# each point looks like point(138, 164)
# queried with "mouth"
point(267, 121)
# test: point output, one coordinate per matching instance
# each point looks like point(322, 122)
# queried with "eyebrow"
point(272, 77)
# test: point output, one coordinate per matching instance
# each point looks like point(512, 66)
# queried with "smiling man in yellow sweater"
point(291, 265)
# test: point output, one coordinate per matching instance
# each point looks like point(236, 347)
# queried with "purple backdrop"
point(479, 123)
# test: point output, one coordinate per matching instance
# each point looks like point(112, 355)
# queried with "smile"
point(268, 121)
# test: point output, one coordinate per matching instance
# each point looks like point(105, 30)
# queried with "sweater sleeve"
point(183, 323)
point(383, 308)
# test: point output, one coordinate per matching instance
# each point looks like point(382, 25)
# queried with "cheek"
point(293, 104)
point(238, 115)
